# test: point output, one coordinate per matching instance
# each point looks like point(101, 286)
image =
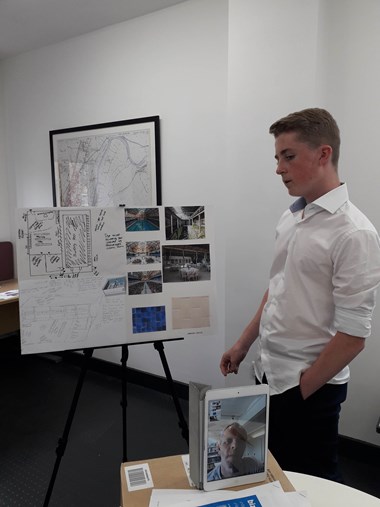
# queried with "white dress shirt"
point(323, 279)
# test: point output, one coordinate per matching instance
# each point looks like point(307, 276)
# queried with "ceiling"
point(31, 24)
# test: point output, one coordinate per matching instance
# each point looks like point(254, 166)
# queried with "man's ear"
point(325, 154)
point(218, 447)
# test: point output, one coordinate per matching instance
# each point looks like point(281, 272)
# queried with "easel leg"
point(62, 442)
point(124, 358)
point(159, 346)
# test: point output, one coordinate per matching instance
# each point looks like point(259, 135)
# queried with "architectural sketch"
point(70, 260)
point(58, 243)
point(69, 313)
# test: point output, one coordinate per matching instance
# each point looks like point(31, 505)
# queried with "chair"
point(6, 260)
point(193, 274)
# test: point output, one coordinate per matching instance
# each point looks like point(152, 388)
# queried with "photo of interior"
point(185, 223)
point(144, 282)
point(186, 263)
point(142, 219)
point(143, 252)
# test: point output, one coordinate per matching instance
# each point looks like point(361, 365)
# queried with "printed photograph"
point(190, 312)
point(185, 223)
point(142, 219)
point(144, 282)
point(186, 263)
point(115, 286)
point(143, 252)
point(148, 319)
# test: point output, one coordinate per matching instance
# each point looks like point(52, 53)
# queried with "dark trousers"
point(303, 434)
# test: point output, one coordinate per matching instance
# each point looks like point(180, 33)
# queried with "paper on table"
point(8, 294)
point(173, 497)
point(299, 499)
point(186, 464)
point(268, 495)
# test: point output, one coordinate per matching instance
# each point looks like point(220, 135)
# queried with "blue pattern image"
point(149, 319)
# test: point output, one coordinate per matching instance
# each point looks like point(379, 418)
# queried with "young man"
point(316, 313)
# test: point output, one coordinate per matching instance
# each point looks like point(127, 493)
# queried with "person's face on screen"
point(231, 447)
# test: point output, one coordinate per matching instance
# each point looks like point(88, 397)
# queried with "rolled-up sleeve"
point(356, 277)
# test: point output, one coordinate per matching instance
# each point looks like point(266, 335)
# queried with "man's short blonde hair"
point(314, 126)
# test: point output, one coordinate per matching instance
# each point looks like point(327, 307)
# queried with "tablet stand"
point(87, 354)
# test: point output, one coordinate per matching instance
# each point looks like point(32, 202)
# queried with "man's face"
point(231, 447)
point(299, 167)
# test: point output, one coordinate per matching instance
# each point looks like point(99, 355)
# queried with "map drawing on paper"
point(71, 266)
point(105, 169)
point(58, 242)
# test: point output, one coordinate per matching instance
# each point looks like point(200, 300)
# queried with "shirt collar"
point(331, 201)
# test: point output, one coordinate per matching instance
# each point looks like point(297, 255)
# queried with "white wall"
point(4, 202)
point(218, 73)
point(284, 56)
point(270, 74)
point(352, 91)
point(172, 63)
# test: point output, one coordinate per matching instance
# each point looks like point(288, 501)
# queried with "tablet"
point(235, 436)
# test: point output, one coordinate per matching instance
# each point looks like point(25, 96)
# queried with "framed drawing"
point(107, 164)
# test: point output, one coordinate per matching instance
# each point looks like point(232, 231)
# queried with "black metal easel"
point(87, 354)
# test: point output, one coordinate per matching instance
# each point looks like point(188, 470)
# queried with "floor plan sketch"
point(65, 258)
point(76, 229)
point(58, 242)
point(70, 242)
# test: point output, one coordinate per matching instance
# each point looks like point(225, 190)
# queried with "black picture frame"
point(107, 164)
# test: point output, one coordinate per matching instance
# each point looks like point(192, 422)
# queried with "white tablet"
point(235, 436)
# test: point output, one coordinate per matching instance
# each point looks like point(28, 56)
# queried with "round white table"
point(324, 493)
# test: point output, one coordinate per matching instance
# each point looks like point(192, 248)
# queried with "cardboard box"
point(169, 473)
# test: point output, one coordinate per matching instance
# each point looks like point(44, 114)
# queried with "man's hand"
point(231, 360)
point(337, 354)
point(234, 356)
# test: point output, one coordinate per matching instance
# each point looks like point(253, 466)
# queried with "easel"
point(87, 354)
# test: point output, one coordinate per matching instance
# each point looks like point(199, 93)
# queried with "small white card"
point(186, 464)
point(138, 477)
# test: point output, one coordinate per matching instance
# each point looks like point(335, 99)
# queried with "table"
point(9, 309)
point(324, 493)
point(169, 473)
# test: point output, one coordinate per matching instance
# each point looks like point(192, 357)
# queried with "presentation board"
point(96, 277)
